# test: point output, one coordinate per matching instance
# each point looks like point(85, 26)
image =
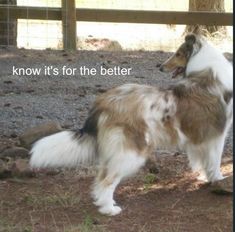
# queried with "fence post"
point(69, 24)
point(8, 26)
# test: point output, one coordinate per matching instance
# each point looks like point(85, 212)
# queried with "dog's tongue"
point(178, 71)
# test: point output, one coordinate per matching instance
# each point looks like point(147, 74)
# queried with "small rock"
point(17, 168)
point(99, 44)
point(101, 90)
point(153, 169)
point(176, 153)
point(21, 168)
point(52, 172)
point(67, 125)
point(7, 104)
point(8, 82)
point(20, 165)
point(30, 91)
point(104, 65)
point(151, 166)
point(3, 165)
point(18, 108)
point(33, 134)
point(124, 62)
point(5, 173)
point(15, 152)
point(13, 135)
point(223, 187)
point(95, 221)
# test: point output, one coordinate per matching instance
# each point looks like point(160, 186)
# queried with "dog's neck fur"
point(208, 57)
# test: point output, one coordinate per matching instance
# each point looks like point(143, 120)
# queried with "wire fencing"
point(41, 34)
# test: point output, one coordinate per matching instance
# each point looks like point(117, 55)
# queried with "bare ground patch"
point(170, 201)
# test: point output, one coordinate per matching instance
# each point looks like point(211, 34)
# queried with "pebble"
point(15, 152)
point(33, 134)
point(223, 187)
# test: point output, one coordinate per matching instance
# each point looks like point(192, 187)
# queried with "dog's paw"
point(218, 178)
point(110, 210)
point(202, 178)
point(101, 202)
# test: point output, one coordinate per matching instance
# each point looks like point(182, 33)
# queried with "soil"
point(171, 200)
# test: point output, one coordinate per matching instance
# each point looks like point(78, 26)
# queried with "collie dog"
point(127, 123)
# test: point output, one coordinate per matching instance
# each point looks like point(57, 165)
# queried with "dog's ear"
point(190, 39)
point(192, 43)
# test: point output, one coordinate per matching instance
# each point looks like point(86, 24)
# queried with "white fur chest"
point(210, 57)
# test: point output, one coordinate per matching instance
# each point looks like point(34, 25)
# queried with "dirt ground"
point(170, 200)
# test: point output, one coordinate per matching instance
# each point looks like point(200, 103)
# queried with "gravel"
point(27, 101)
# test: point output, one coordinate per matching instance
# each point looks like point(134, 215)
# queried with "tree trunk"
point(8, 27)
point(207, 5)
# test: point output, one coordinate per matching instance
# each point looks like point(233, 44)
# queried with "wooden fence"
point(69, 15)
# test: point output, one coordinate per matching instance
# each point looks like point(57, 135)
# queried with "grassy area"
point(59, 197)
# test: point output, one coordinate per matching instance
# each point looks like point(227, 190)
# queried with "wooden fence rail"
point(69, 15)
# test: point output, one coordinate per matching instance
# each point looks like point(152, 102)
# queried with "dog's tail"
point(63, 149)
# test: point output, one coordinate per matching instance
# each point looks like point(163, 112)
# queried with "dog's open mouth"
point(178, 71)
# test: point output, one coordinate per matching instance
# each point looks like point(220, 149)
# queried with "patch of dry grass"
point(58, 198)
point(88, 225)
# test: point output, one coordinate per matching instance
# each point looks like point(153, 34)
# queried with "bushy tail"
point(63, 149)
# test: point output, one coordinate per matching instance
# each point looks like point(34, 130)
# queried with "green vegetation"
point(149, 180)
point(59, 198)
point(88, 225)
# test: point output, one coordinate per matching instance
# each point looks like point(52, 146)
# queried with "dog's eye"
point(177, 54)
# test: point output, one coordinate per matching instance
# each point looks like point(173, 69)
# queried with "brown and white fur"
point(127, 123)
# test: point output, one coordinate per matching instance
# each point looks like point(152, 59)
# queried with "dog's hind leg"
point(103, 190)
point(212, 162)
point(206, 159)
point(110, 173)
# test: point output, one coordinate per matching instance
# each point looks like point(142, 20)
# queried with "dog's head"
point(178, 61)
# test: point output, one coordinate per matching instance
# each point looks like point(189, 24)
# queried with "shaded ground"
point(170, 201)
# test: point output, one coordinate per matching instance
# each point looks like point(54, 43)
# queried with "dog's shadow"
point(167, 196)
